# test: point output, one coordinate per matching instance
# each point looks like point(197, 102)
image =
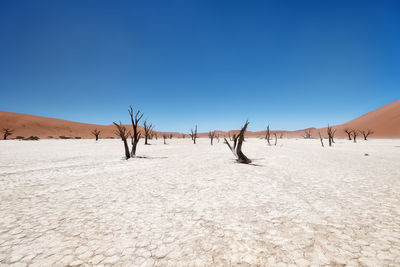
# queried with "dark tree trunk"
point(237, 146)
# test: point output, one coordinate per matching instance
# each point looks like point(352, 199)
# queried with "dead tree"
point(307, 134)
point(211, 135)
point(281, 136)
point(123, 133)
point(237, 146)
point(7, 132)
point(348, 131)
point(183, 136)
point(268, 135)
point(331, 133)
point(193, 134)
point(136, 135)
point(276, 139)
point(230, 137)
point(165, 138)
point(320, 138)
point(355, 133)
point(170, 136)
point(147, 130)
point(96, 134)
point(367, 133)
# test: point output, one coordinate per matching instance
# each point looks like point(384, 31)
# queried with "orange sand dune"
point(384, 121)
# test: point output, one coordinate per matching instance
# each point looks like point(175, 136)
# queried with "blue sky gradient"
point(290, 64)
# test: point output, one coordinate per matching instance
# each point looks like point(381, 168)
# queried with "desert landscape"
point(184, 202)
point(199, 133)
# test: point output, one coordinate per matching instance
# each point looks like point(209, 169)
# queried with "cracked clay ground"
point(76, 202)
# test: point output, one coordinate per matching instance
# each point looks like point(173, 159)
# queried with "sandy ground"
point(72, 202)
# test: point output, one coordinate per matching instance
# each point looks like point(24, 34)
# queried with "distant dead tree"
point(183, 136)
point(211, 135)
point(276, 139)
point(331, 133)
point(170, 136)
point(193, 134)
point(7, 132)
point(147, 130)
point(230, 137)
point(320, 138)
point(367, 133)
point(136, 135)
point(237, 146)
point(155, 135)
point(268, 135)
point(165, 138)
point(96, 134)
point(307, 134)
point(355, 133)
point(348, 131)
point(123, 134)
point(280, 135)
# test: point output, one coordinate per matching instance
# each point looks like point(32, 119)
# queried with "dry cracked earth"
point(77, 202)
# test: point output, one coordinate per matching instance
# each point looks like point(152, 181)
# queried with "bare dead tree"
point(367, 133)
point(348, 131)
point(268, 135)
point(307, 134)
point(147, 129)
point(123, 134)
point(355, 133)
point(230, 137)
point(276, 139)
point(193, 134)
point(331, 133)
point(136, 135)
point(237, 146)
point(155, 135)
point(7, 132)
point(165, 138)
point(211, 135)
point(320, 138)
point(183, 136)
point(170, 136)
point(96, 134)
point(281, 136)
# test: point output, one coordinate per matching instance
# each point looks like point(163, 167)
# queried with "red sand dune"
point(384, 121)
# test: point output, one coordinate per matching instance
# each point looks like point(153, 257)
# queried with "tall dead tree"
point(237, 145)
point(331, 133)
point(355, 133)
point(211, 135)
point(320, 138)
point(193, 134)
point(367, 133)
point(307, 134)
point(276, 139)
point(268, 135)
point(348, 131)
point(7, 132)
point(147, 130)
point(96, 134)
point(135, 118)
point(165, 138)
point(123, 134)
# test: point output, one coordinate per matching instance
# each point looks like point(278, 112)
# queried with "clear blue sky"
point(292, 64)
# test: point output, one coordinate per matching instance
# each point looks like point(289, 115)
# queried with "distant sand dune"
point(384, 121)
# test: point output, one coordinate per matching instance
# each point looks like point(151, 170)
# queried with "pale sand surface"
point(78, 202)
